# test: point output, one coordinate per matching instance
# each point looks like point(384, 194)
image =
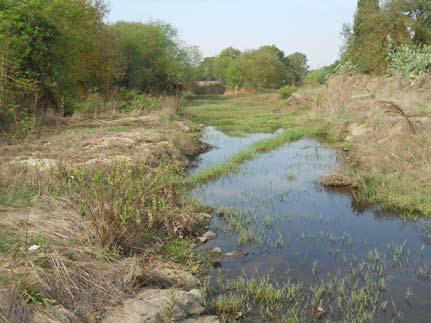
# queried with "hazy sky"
point(309, 26)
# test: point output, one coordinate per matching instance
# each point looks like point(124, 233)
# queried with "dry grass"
point(337, 180)
point(88, 195)
point(390, 141)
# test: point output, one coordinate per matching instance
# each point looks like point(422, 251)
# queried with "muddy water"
point(291, 224)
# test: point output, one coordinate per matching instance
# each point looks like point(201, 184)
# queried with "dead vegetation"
point(386, 124)
point(337, 180)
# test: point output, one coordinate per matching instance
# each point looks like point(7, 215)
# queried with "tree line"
point(265, 67)
point(54, 53)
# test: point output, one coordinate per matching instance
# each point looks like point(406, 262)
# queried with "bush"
point(286, 91)
point(347, 67)
point(127, 203)
point(93, 103)
point(124, 201)
point(320, 75)
point(135, 101)
point(410, 61)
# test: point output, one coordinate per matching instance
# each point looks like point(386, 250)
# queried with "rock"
point(216, 250)
point(179, 278)
point(207, 236)
point(157, 305)
point(210, 235)
point(202, 319)
point(320, 313)
point(34, 248)
point(234, 254)
point(159, 274)
point(205, 216)
point(356, 130)
point(202, 239)
point(216, 263)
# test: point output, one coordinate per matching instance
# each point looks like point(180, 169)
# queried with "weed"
point(8, 242)
point(229, 307)
point(179, 250)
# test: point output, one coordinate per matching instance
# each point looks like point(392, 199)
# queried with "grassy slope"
point(239, 116)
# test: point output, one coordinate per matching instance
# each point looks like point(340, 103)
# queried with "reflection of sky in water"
point(224, 146)
point(315, 224)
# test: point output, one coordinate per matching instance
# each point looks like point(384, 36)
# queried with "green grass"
point(233, 163)
point(17, 195)
point(8, 242)
point(229, 308)
point(236, 117)
point(353, 294)
point(421, 110)
point(179, 250)
point(396, 191)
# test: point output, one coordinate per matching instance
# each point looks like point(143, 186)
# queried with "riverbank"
point(96, 216)
point(92, 225)
point(382, 125)
point(292, 250)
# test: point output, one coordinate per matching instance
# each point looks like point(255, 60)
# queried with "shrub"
point(94, 103)
point(347, 67)
point(133, 100)
point(410, 61)
point(124, 201)
point(320, 75)
point(286, 91)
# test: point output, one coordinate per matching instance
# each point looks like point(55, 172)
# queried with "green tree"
point(46, 47)
point(297, 68)
point(263, 68)
point(420, 12)
point(205, 71)
point(276, 52)
point(368, 47)
point(155, 59)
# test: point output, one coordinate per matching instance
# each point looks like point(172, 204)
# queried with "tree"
point(230, 52)
point(275, 51)
point(264, 68)
point(368, 48)
point(49, 45)
point(420, 12)
point(155, 59)
point(205, 70)
point(297, 68)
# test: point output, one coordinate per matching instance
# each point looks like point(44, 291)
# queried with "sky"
point(309, 26)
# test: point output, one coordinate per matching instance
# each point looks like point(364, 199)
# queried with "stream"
point(287, 227)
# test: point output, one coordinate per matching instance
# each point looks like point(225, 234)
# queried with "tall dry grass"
point(391, 140)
